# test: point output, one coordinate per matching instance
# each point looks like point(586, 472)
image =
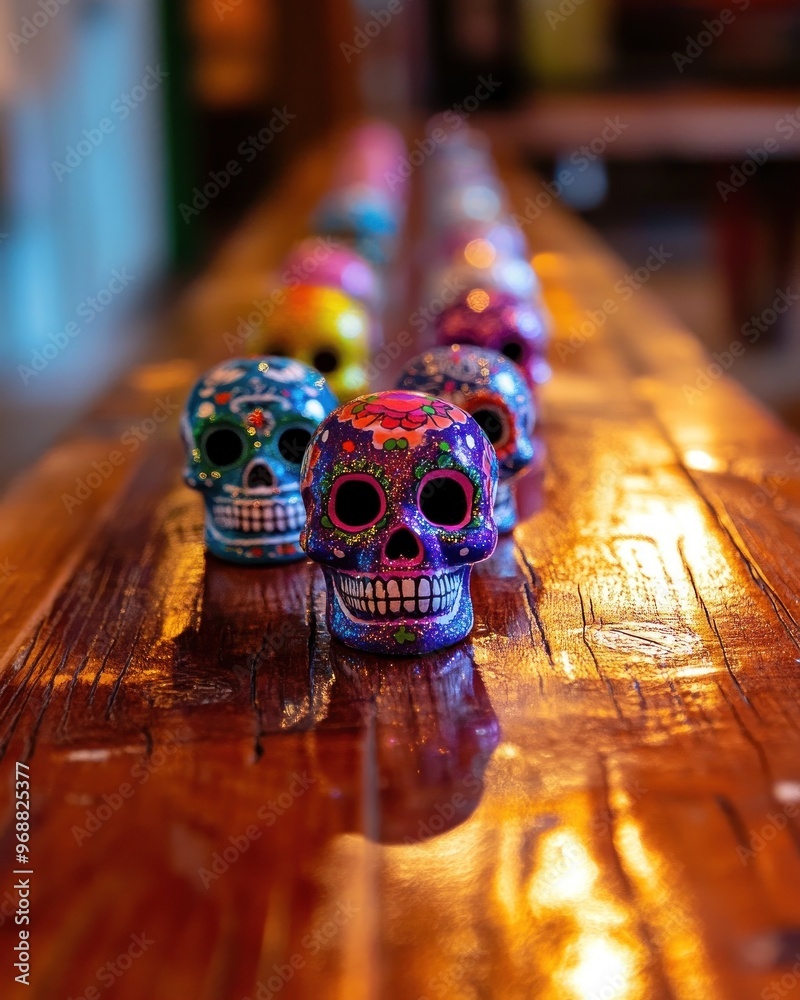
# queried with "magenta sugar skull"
point(399, 490)
point(495, 393)
point(246, 426)
point(502, 322)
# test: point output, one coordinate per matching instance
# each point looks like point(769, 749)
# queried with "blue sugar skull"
point(365, 217)
point(399, 491)
point(246, 426)
point(496, 394)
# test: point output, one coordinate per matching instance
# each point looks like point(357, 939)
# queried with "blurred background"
point(677, 124)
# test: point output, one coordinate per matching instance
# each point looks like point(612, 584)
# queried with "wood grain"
point(592, 797)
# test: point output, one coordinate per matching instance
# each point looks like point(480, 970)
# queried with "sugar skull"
point(329, 263)
point(325, 261)
point(482, 245)
point(364, 216)
point(513, 276)
point(246, 426)
point(495, 393)
point(399, 491)
point(363, 206)
point(488, 318)
point(323, 328)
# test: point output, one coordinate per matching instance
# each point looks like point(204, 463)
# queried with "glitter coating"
point(499, 321)
point(488, 386)
point(245, 427)
point(398, 488)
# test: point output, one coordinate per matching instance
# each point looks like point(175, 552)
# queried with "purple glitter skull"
point(246, 426)
point(502, 322)
point(399, 491)
point(494, 392)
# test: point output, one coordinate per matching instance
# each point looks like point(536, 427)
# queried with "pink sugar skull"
point(325, 261)
point(399, 490)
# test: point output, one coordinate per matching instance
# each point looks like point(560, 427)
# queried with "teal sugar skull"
point(246, 426)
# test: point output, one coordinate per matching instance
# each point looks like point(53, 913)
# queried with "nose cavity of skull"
point(403, 546)
point(259, 476)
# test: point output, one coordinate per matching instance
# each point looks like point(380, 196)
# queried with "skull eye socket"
point(494, 424)
point(357, 502)
point(445, 498)
point(223, 446)
point(292, 444)
point(512, 350)
point(326, 360)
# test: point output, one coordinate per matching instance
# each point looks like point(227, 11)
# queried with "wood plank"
point(593, 796)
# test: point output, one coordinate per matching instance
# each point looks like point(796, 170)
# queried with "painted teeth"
point(388, 597)
point(259, 517)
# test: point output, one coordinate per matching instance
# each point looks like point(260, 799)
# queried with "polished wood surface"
point(595, 796)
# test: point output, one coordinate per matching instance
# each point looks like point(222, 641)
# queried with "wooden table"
point(595, 796)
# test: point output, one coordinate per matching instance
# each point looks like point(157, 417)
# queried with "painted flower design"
point(400, 419)
point(223, 375)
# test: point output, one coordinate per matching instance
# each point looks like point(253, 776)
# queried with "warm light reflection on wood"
point(678, 935)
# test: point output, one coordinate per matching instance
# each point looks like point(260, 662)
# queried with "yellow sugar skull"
point(324, 328)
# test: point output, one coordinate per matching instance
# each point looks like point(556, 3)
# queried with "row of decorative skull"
point(394, 493)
